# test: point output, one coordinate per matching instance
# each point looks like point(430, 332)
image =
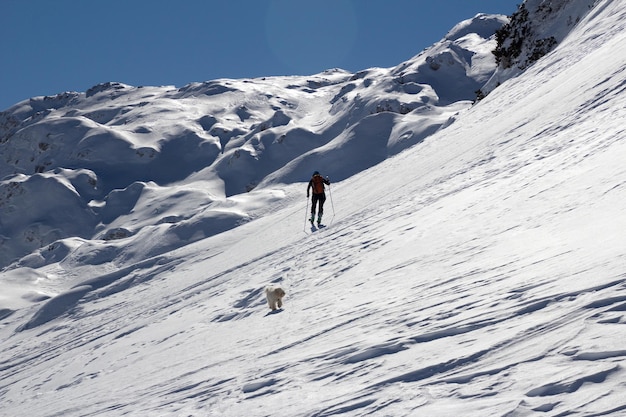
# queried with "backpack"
point(318, 184)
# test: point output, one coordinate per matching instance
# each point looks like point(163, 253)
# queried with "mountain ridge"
point(477, 273)
point(230, 135)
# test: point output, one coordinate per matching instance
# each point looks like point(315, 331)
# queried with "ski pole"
point(306, 213)
point(330, 197)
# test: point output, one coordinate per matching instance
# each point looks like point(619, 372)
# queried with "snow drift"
point(109, 147)
point(472, 263)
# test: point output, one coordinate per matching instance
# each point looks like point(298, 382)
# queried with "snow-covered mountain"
point(536, 28)
point(121, 161)
point(473, 261)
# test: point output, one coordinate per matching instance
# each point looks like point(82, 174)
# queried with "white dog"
point(274, 297)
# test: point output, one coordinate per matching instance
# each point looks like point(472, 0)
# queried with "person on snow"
point(316, 184)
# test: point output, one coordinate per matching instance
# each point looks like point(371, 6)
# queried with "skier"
point(317, 185)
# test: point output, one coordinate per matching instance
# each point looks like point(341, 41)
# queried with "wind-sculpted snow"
point(479, 273)
point(227, 137)
point(56, 306)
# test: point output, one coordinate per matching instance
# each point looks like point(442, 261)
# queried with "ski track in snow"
point(454, 317)
point(478, 273)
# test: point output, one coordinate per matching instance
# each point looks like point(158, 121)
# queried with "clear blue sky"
point(52, 46)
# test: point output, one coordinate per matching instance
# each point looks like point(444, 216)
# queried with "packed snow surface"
point(473, 261)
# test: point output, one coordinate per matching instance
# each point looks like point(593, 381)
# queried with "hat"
point(316, 173)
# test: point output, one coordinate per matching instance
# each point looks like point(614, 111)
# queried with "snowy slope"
point(126, 162)
point(480, 272)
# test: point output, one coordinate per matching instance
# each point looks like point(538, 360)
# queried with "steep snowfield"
point(108, 157)
point(480, 272)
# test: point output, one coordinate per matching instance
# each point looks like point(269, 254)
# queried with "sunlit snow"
point(473, 261)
